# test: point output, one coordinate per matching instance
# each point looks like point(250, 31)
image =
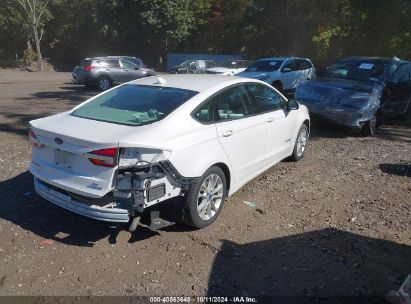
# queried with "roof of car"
point(110, 57)
point(359, 58)
point(196, 82)
point(281, 58)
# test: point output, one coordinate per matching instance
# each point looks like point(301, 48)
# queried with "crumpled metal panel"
point(349, 105)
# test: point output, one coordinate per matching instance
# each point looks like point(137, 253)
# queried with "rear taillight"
point(87, 68)
point(34, 140)
point(103, 157)
point(31, 134)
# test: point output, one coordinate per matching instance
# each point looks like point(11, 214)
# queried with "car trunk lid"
point(63, 147)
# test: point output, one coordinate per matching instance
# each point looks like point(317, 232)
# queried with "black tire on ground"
point(297, 152)
point(192, 216)
point(369, 127)
point(278, 85)
point(103, 83)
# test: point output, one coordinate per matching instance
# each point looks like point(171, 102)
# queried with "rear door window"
point(292, 64)
point(265, 98)
point(233, 103)
point(109, 63)
point(205, 112)
point(304, 64)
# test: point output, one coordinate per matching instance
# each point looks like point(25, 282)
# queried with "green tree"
point(36, 13)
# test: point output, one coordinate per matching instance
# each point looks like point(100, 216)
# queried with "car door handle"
point(270, 119)
point(228, 133)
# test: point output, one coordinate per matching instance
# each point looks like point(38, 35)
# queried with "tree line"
point(69, 30)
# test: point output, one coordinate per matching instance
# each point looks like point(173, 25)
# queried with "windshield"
point(134, 104)
point(362, 70)
point(187, 63)
point(264, 66)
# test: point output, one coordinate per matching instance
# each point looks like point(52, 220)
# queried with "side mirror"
point(285, 70)
point(137, 67)
point(292, 105)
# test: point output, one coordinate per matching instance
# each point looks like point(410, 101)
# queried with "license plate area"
point(63, 158)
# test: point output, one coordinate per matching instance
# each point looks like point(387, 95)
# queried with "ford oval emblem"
point(58, 140)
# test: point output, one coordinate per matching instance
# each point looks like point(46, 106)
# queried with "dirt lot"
point(335, 223)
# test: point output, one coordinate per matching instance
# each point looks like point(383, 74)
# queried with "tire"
point(277, 84)
point(300, 144)
point(103, 83)
point(200, 193)
point(369, 127)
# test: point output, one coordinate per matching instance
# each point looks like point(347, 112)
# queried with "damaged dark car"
point(359, 92)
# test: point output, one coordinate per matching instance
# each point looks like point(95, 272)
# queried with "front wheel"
point(300, 144)
point(370, 127)
point(206, 198)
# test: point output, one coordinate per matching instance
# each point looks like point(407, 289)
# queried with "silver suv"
point(105, 72)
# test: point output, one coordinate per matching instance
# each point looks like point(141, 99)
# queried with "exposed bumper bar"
point(96, 212)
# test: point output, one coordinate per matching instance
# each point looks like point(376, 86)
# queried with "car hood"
point(255, 75)
point(219, 70)
point(347, 101)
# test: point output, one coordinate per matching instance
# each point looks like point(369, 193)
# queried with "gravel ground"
point(335, 223)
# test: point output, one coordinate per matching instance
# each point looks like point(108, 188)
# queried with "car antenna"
point(160, 80)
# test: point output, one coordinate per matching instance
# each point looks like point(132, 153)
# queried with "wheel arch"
point(308, 124)
point(226, 171)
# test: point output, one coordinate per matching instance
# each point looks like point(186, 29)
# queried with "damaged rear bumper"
point(108, 214)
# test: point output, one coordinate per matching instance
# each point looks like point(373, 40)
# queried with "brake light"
point(34, 140)
point(87, 68)
point(31, 134)
point(103, 157)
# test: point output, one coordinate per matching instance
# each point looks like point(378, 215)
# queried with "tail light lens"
point(87, 68)
point(103, 157)
point(34, 140)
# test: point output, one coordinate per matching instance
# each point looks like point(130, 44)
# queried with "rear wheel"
point(300, 143)
point(370, 127)
point(206, 198)
point(103, 83)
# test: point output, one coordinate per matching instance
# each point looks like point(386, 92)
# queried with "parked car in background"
point(283, 73)
point(229, 67)
point(359, 92)
point(193, 67)
point(197, 137)
point(105, 72)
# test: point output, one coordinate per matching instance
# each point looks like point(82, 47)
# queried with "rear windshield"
point(84, 63)
point(362, 70)
point(134, 104)
point(264, 66)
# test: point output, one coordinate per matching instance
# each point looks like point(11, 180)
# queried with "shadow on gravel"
point(23, 207)
point(323, 264)
point(322, 128)
point(40, 104)
point(396, 169)
point(68, 93)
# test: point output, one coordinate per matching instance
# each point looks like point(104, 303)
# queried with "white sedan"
point(195, 138)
